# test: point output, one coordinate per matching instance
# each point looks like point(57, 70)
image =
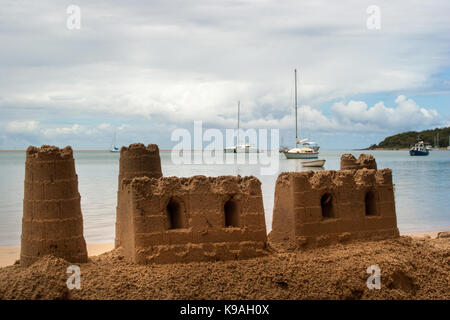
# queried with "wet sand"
point(9, 255)
point(412, 267)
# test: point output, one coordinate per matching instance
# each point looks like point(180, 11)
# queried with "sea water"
point(422, 188)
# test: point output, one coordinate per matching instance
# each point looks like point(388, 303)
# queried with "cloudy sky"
point(145, 68)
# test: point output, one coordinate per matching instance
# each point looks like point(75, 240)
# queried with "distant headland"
point(406, 139)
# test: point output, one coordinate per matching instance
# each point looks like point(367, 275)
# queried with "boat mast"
point(239, 109)
point(437, 141)
point(296, 132)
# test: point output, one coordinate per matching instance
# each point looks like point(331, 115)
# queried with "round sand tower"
point(52, 222)
point(136, 160)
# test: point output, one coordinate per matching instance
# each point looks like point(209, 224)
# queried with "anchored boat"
point(419, 149)
point(313, 163)
point(114, 148)
point(240, 147)
point(307, 151)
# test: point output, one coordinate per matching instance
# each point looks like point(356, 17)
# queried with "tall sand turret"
point(52, 221)
point(136, 161)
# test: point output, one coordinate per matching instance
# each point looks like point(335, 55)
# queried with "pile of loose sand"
point(411, 268)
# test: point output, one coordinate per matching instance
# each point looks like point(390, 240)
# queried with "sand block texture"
point(170, 220)
point(349, 162)
point(314, 209)
point(52, 222)
point(137, 160)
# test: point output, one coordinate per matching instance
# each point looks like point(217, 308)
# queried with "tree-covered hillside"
point(406, 139)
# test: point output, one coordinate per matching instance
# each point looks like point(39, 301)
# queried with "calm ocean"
point(422, 188)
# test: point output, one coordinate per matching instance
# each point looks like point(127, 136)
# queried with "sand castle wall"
point(349, 162)
point(316, 209)
point(137, 160)
point(52, 222)
point(200, 218)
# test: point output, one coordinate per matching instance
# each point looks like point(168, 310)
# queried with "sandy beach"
point(9, 255)
point(412, 267)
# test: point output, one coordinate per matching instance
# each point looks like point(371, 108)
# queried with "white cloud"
point(73, 130)
point(22, 126)
point(104, 126)
point(406, 115)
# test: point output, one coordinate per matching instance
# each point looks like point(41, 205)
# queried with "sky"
point(142, 69)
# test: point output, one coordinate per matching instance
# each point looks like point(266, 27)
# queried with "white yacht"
point(240, 147)
point(301, 153)
point(308, 150)
point(309, 144)
point(245, 148)
point(436, 143)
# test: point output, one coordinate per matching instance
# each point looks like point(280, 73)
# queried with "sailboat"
point(436, 142)
point(114, 148)
point(240, 147)
point(306, 151)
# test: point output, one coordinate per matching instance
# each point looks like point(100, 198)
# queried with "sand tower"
point(52, 221)
point(136, 160)
point(349, 162)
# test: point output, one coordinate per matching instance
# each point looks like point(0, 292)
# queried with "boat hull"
point(241, 150)
point(293, 155)
point(314, 163)
point(418, 153)
point(246, 150)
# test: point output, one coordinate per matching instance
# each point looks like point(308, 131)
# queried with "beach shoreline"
point(10, 254)
point(412, 267)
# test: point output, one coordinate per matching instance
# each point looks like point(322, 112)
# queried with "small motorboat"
point(314, 163)
point(419, 149)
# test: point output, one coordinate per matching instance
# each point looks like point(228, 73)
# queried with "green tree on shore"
point(406, 139)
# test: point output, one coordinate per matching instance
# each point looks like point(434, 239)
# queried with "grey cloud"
point(172, 62)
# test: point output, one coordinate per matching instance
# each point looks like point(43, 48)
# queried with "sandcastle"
point(172, 219)
point(349, 162)
point(52, 222)
point(137, 160)
point(313, 209)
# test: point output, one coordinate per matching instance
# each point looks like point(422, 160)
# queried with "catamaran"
point(240, 147)
point(306, 151)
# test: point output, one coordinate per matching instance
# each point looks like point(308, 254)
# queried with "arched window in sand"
point(175, 214)
point(231, 211)
point(370, 204)
point(326, 202)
